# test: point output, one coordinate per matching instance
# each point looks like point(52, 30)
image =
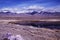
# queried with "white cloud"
point(25, 9)
point(52, 9)
point(35, 7)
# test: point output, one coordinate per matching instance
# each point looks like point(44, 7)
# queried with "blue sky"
point(24, 5)
point(45, 3)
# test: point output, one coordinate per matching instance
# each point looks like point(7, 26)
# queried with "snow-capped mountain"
point(28, 11)
point(35, 13)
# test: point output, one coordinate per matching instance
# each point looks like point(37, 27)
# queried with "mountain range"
point(41, 13)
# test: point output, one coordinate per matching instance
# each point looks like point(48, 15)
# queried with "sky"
point(25, 4)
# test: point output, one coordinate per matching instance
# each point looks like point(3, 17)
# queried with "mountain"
point(32, 13)
point(44, 13)
point(35, 13)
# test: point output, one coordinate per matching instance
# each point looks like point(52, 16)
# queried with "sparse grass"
point(29, 32)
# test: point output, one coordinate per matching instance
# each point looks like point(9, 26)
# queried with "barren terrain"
point(28, 32)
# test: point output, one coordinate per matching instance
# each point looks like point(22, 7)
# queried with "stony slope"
point(29, 32)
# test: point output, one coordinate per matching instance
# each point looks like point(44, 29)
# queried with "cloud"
point(25, 9)
point(53, 9)
point(35, 7)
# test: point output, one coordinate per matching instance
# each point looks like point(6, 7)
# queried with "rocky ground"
point(29, 32)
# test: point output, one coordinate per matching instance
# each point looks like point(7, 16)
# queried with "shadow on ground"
point(39, 24)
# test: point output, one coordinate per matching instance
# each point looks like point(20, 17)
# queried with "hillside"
point(28, 32)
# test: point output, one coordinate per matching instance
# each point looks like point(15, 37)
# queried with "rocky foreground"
point(29, 32)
